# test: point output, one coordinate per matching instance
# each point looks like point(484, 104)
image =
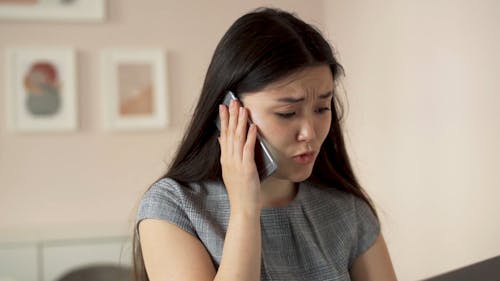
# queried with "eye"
point(322, 110)
point(285, 115)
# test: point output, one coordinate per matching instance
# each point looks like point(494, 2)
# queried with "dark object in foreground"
point(487, 270)
point(98, 273)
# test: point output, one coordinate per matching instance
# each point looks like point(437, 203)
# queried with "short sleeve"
point(367, 230)
point(165, 201)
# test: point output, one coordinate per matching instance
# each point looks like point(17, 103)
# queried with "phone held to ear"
point(266, 164)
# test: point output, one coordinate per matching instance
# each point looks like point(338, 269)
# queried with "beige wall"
point(91, 176)
point(421, 120)
point(92, 179)
point(422, 84)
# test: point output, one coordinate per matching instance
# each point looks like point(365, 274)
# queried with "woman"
point(212, 218)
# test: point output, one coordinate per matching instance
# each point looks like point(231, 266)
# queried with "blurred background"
point(422, 126)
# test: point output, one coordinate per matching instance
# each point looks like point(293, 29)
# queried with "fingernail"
point(241, 110)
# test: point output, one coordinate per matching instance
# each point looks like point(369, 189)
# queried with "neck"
point(277, 192)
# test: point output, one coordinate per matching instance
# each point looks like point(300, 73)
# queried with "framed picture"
point(41, 89)
point(53, 10)
point(135, 89)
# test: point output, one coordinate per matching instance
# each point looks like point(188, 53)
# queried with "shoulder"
point(163, 191)
point(168, 189)
point(171, 186)
point(169, 200)
point(167, 230)
point(350, 213)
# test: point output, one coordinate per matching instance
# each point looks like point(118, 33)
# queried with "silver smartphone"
point(266, 164)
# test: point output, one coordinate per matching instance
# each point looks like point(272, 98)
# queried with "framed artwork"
point(41, 89)
point(53, 10)
point(134, 87)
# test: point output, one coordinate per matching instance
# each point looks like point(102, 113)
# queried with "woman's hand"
point(239, 171)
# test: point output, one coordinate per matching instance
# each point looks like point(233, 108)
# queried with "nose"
point(306, 131)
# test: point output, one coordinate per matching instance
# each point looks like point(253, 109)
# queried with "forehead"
point(310, 82)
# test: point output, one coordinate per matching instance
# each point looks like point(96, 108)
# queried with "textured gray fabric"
point(315, 237)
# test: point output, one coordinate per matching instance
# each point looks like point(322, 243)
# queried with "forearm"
point(241, 255)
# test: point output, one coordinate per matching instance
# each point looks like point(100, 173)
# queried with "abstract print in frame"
point(41, 89)
point(134, 89)
point(53, 10)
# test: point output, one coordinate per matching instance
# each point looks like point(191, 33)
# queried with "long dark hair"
point(261, 47)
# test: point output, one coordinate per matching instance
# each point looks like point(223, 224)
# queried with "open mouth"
point(305, 158)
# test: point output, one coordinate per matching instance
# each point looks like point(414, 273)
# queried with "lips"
point(304, 158)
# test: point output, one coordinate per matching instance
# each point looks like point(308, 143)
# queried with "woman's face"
point(294, 116)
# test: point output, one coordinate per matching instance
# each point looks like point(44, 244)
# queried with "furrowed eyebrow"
point(325, 96)
point(290, 100)
point(296, 100)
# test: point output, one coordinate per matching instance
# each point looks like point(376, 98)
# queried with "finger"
point(233, 120)
point(249, 148)
point(223, 116)
point(241, 130)
point(233, 116)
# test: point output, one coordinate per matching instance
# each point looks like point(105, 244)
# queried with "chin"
point(300, 178)
point(294, 176)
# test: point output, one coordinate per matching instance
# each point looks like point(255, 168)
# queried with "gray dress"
point(315, 237)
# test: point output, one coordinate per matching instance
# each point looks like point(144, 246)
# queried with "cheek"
point(324, 129)
point(272, 131)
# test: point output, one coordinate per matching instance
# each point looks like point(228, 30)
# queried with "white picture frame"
point(134, 88)
point(41, 89)
point(53, 10)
